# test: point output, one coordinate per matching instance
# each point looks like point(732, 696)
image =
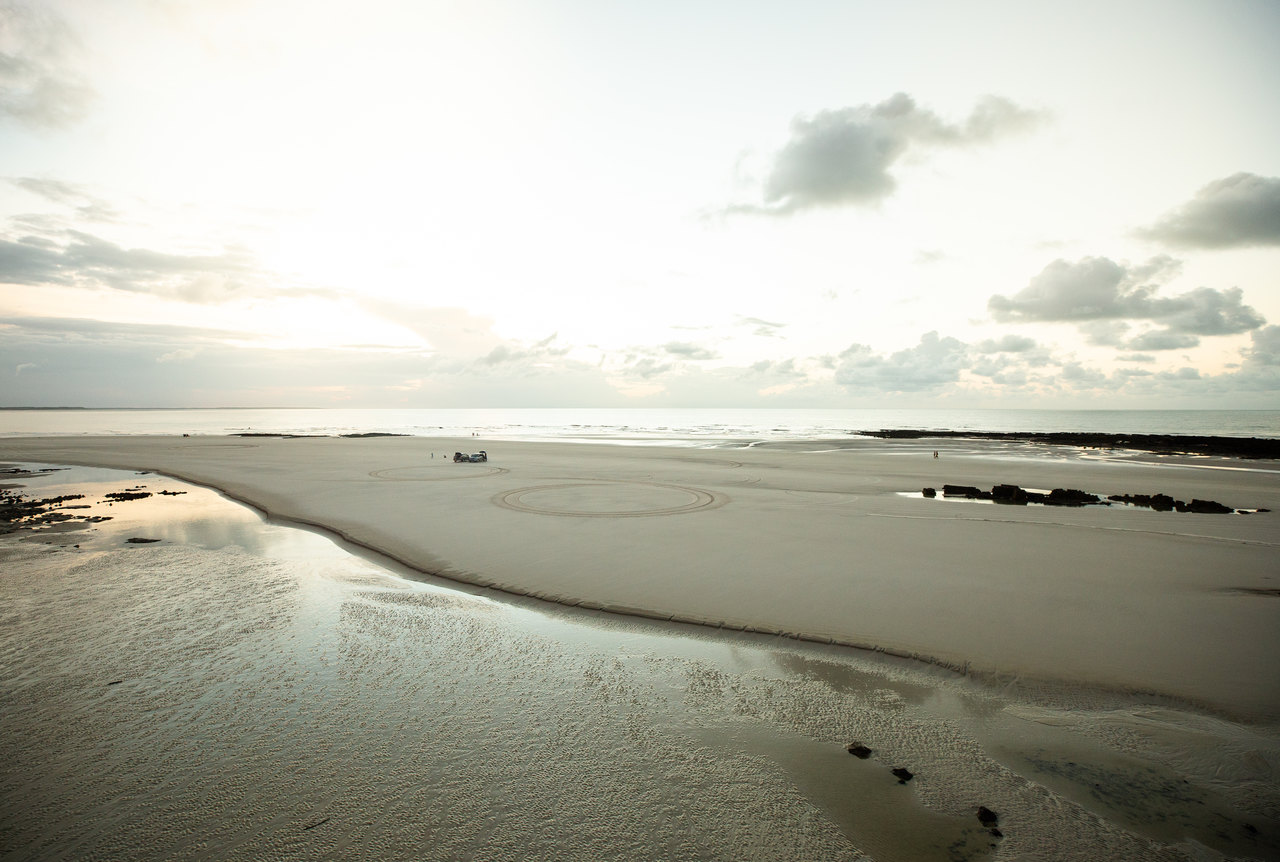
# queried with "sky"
point(412, 203)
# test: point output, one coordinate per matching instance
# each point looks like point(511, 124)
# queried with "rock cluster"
point(1179, 444)
point(1013, 495)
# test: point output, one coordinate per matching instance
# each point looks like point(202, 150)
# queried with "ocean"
point(689, 426)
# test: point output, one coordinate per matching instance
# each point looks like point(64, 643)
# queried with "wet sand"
point(809, 540)
point(237, 690)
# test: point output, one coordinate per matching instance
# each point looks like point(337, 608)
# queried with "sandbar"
point(808, 540)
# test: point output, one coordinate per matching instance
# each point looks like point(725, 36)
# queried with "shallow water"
point(242, 688)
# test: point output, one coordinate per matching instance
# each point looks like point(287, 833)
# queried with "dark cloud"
point(1099, 296)
point(1240, 210)
point(39, 85)
point(844, 156)
point(931, 364)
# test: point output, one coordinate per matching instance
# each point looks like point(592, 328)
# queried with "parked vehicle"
point(474, 458)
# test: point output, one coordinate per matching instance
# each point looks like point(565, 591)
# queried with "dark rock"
point(987, 817)
point(903, 775)
point(996, 833)
point(930, 492)
point(1071, 497)
point(966, 491)
point(1209, 507)
point(138, 540)
point(1233, 447)
point(1010, 495)
point(122, 496)
point(1162, 502)
point(858, 750)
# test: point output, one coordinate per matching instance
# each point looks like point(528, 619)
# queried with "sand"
point(240, 690)
point(808, 540)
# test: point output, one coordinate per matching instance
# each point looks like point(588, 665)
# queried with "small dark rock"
point(1071, 497)
point(903, 775)
point(966, 491)
point(858, 750)
point(930, 492)
point(138, 540)
point(996, 833)
point(1208, 507)
point(987, 817)
point(123, 496)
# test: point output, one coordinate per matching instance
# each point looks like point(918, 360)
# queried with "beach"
point(1057, 645)
point(807, 540)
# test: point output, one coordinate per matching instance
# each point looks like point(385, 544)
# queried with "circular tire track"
point(698, 499)
point(388, 474)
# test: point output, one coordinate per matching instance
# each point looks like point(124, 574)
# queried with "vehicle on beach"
point(474, 458)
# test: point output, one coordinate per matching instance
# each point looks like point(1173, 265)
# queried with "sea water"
point(698, 426)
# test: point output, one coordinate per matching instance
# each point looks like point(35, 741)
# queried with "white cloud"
point(930, 365)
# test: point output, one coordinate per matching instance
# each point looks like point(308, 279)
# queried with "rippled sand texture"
point(239, 690)
point(809, 542)
point(168, 702)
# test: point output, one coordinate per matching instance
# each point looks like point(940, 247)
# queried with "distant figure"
point(935, 453)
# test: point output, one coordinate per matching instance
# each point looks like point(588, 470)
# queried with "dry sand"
point(808, 540)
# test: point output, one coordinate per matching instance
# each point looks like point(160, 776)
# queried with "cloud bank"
point(1103, 297)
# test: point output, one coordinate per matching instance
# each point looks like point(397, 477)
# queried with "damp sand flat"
point(807, 540)
point(240, 690)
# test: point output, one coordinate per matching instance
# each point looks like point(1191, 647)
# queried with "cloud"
point(1162, 339)
point(1099, 295)
point(929, 365)
point(89, 261)
point(1266, 347)
point(763, 328)
point(1007, 344)
point(844, 156)
point(686, 350)
point(39, 86)
point(1240, 210)
point(87, 207)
